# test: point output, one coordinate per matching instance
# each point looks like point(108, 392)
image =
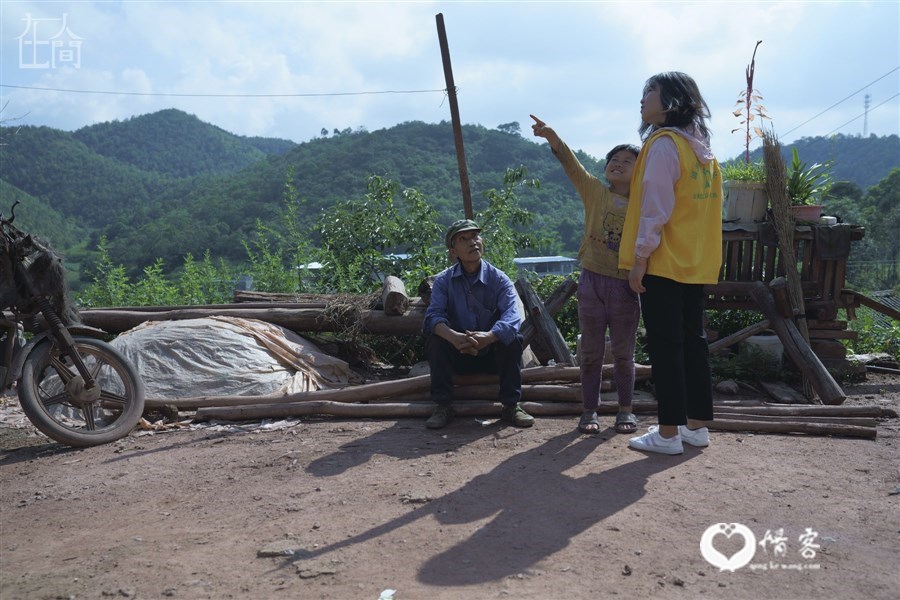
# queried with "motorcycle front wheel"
point(55, 399)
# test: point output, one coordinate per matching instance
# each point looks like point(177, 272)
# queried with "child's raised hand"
point(540, 129)
point(538, 126)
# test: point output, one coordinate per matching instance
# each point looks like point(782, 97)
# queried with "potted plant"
point(745, 191)
point(805, 185)
point(744, 181)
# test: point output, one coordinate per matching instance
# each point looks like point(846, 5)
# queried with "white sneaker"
point(652, 441)
point(698, 438)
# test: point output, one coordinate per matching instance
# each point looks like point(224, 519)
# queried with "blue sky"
point(273, 68)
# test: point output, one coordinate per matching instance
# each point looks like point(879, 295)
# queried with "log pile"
point(558, 395)
point(546, 391)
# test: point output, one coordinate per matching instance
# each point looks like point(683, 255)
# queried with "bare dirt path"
point(470, 511)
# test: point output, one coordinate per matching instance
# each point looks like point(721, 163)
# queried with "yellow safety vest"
point(690, 247)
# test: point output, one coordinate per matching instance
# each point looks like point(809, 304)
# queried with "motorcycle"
point(73, 386)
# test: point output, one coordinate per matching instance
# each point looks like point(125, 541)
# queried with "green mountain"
point(166, 184)
point(76, 181)
point(174, 143)
point(858, 160)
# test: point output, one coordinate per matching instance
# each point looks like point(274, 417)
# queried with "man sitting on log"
point(472, 326)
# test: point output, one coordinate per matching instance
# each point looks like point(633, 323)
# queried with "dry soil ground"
point(329, 508)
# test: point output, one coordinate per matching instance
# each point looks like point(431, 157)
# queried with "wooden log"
point(393, 296)
point(492, 409)
point(781, 393)
point(797, 348)
point(873, 304)
point(368, 391)
point(739, 336)
point(868, 433)
point(305, 319)
point(386, 390)
point(779, 289)
point(858, 421)
point(544, 323)
point(808, 410)
point(424, 290)
point(387, 410)
point(553, 305)
point(254, 297)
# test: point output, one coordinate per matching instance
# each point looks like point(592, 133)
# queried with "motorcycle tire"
point(54, 398)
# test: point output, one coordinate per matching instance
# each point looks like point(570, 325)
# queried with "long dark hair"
point(681, 99)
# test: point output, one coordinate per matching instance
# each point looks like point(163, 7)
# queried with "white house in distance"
point(547, 265)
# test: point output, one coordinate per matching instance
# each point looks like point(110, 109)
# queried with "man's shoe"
point(440, 417)
point(698, 438)
point(517, 416)
point(652, 441)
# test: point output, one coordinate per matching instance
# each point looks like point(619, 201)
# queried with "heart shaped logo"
point(736, 560)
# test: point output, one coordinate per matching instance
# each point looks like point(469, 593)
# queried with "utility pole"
point(454, 117)
point(866, 117)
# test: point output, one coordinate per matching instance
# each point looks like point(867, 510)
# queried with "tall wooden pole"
point(454, 117)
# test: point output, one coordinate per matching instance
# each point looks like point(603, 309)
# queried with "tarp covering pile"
point(223, 356)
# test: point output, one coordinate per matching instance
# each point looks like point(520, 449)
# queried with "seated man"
point(472, 326)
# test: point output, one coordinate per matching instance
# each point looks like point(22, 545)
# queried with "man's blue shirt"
point(485, 301)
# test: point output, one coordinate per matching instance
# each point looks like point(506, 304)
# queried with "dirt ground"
point(344, 509)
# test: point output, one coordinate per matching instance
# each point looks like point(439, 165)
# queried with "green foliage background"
point(165, 185)
point(131, 205)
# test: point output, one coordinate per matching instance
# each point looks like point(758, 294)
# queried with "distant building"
point(547, 265)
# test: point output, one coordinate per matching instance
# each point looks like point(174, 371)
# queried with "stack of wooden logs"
point(546, 391)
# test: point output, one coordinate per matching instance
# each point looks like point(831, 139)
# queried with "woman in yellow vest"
point(672, 246)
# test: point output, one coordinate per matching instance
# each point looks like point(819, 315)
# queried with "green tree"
point(110, 285)
point(506, 224)
point(385, 232)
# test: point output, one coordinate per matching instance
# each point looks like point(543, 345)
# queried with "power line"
point(858, 116)
point(850, 121)
point(174, 95)
point(840, 101)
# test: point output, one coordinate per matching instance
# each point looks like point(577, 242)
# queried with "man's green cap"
point(459, 227)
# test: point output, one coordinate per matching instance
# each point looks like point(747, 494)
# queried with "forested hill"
point(859, 160)
point(166, 184)
point(172, 142)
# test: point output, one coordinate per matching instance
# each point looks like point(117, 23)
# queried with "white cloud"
point(580, 66)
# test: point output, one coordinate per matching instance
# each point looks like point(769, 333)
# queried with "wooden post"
point(454, 117)
point(545, 326)
point(553, 305)
point(797, 348)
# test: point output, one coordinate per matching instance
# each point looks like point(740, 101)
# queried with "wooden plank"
point(827, 289)
point(758, 261)
point(874, 304)
point(816, 324)
point(840, 273)
point(747, 261)
point(771, 271)
point(734, 258)
point(833, 334)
